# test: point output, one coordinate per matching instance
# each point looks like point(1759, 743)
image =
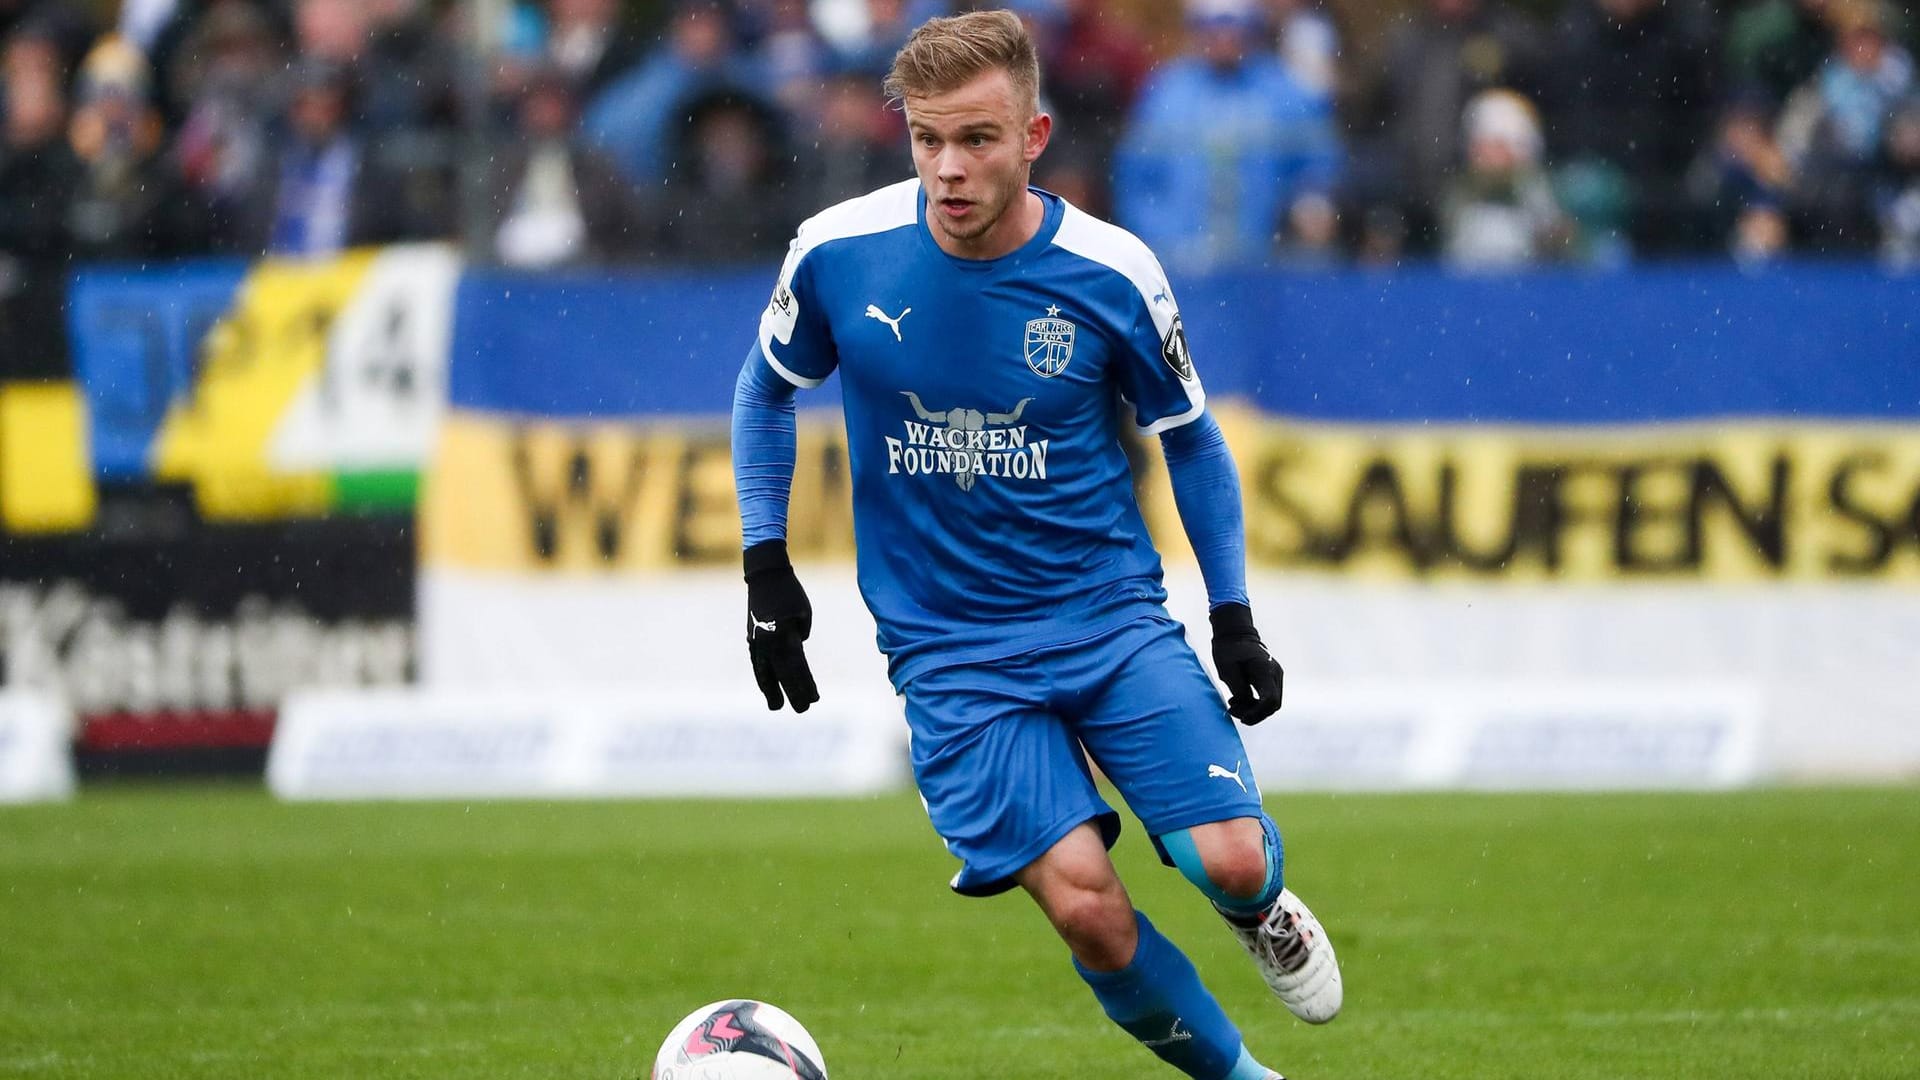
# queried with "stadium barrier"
point(406, 744)
point(1503, 736)
point(35, 764)
point(1663, 484)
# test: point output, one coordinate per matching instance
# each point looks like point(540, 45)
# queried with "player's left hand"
point(1252, 675)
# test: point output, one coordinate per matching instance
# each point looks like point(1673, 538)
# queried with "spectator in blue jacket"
point(635, 119)
point(1227, 157)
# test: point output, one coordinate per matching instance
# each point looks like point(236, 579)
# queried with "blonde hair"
point(946, 54)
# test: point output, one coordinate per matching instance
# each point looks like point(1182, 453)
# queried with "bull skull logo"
point(965, 420)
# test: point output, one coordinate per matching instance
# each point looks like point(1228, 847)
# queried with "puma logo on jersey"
point(874, 312)
point(769, 628)
point(1221, 772)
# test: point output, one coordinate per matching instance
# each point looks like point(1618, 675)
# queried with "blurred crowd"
point(550, 133)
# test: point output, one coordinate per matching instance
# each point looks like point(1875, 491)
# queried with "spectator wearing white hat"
point(1308, 43)
point(1500, 213)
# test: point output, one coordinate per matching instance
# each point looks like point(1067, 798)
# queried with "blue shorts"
point(997, 747)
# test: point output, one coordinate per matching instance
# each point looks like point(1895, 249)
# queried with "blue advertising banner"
point(1416, 345)
point(603, 346)
point(1411, 346)
point(136, 339)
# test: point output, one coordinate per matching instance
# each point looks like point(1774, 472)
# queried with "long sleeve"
point(1206, 489)
point(764, 442)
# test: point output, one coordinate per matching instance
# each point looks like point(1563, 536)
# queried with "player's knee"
point(1233, 854)
point(1098, 924)
point(1089, 912)
point(1239, 870)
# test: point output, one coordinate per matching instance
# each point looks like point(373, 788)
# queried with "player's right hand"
point(779, 618)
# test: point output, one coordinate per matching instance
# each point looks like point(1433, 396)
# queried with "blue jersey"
point(993, 503)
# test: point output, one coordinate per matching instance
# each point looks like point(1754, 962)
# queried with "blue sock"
point(1159, 1000)
point(1186, 858)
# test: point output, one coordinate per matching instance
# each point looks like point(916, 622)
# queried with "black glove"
point(1252, 675)
point(779, 618)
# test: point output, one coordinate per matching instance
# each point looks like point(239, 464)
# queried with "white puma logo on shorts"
point(1221, 772)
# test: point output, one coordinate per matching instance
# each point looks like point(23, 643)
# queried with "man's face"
point(547, 113)
point(1903, 138)
point(731, 146)
point(1626, 11)
point(584, 12)
point(318, 112)
point(1864, 47)
point(974, 148)
point(332, 30)
point(1453, 11)
point(35, 111)
point(1222, 43)
point(700, 36)
point(848, 108)
point(1492, 158)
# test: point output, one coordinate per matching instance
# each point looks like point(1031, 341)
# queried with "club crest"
point(1049, 344)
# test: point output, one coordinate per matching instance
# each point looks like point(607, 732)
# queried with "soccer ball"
point(739, 1040)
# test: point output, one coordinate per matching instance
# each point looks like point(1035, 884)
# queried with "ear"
point(1039, 131)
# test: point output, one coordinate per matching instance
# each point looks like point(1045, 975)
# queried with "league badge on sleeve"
point(783, 309)
point(1049, 344)
point(1173, 349)
point(782, 312)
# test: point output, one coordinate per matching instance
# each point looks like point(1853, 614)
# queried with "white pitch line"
point(1869, 1009)
point(1874, 1009)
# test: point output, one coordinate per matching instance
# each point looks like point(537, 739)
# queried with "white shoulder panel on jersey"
point(1127, 255)
point(884, 210)
point(877, 211)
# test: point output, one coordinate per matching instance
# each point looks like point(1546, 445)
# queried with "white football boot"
point(1294, 956)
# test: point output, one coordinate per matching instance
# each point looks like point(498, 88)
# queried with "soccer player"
point(991, 340)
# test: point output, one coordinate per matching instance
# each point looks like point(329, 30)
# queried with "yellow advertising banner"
point(505, 494)
point(46, 479)
point(1749, 501)
point(267, 349)
point(1734, 501)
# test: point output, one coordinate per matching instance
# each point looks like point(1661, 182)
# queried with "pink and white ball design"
point(739, 1039)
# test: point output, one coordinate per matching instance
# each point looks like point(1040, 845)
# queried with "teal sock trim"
point(1186, 859)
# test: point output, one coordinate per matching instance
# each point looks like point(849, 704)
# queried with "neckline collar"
point(1049, 225)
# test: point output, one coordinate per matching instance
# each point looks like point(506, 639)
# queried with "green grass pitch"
point(213, 933)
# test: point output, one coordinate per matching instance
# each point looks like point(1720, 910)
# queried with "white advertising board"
point(36, 756)
point(1816, 680)
point(423, 744)
point(1493, 736)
